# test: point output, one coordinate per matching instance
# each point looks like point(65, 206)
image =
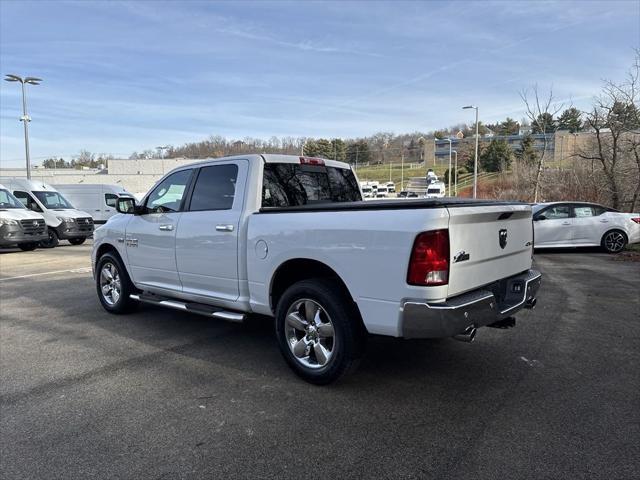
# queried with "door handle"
point(604, 221)
point(224, 228)
point(166, 227)
point(566, 223)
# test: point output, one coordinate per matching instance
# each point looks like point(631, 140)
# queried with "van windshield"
point(9, 201)
point(433, 190)
point(53, 200)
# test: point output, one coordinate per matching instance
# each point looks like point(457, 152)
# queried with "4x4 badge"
point(502, 237)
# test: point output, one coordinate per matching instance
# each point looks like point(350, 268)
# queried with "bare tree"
point(615, 122)
point(541, 112)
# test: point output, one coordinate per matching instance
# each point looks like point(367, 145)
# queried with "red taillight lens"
point(311, 161)
point(429, 263)
point(636, 219)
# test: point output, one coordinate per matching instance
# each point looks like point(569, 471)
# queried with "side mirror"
point(539, 217)
point(126, 205)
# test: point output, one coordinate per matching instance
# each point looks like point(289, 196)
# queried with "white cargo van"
point(63, 221)
point(436, 190)
point(18, 225)
point(97, 199)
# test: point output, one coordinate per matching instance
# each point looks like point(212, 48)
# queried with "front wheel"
point(614, 241)
point(27, 247)
point(77, 241)
point(51, 241)
point(319, 331)
point(113, 285)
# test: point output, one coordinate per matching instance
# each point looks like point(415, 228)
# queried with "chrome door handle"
point(224, 228)
point(566, 223)
point(604, 221)
point(166, 227)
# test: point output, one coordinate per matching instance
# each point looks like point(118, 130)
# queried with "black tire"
point(77, 241)
point(124, 303)
point(614, 241)
point(349, 335)
point(28, 247)
point(52, 241)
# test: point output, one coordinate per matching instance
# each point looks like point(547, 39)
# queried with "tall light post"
point(25, 118)
point(162, 149)
point(455, 178)
point(475, 160)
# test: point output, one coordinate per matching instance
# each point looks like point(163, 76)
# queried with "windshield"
point(433, 190)
point(9, 201)
point(53, 200)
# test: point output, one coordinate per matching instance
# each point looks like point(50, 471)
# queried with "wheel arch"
point(298, 269)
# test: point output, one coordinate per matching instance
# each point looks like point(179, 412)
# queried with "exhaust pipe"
point(467, 335)
point(531, 303)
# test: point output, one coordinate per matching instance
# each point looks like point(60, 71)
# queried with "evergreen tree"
point(338, 150)
point(526, 153)
point(544, 123)
point(358, 152)
point(570, 120)
point(508, 127)
point(496, 157)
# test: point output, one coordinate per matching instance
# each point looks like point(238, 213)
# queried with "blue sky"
point(124, 76)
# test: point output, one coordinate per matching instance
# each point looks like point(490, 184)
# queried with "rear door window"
point(582, 211)
point(215, 188)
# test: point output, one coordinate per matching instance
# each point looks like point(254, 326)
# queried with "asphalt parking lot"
point(159, 394)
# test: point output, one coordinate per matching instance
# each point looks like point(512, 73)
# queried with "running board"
point(199, 308)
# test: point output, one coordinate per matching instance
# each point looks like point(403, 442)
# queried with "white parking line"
point(75, 270)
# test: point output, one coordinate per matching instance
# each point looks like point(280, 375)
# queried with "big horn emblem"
point(502, 237)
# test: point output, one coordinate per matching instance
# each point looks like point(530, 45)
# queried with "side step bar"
point(199, 308)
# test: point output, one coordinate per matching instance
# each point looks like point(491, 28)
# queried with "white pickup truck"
point(291, 238)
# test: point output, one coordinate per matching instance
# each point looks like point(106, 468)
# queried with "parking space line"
point(74, 270)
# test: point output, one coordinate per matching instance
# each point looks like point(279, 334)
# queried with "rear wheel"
point(614, 241)
point(51, 241)
point(77, 241)
point(319, 331)
point(113, 285)
point(27, 247)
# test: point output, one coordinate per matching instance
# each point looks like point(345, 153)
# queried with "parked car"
point(97, 199)
point(63, 220)
point(290, 237)
point(367, 191)
point(382, 191)
point(391, 187)
point(18, 225)
point(581, 224)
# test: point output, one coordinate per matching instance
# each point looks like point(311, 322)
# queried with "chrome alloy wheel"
point(110, 285)
point(309, 333)
point(614, 242)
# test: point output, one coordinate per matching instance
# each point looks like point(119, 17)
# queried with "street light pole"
point(449, 175)
point(455, 178)
point(475, 161)
point(25, 118)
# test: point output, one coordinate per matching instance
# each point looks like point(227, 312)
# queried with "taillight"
point(636, 219)
point(311, 161)
point(429, 263)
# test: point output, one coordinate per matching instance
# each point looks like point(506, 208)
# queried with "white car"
point(19, 226)
point(581, 224)
point(290, 237)
point(382, 191)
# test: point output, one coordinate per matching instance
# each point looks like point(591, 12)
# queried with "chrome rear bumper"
point(473, 309)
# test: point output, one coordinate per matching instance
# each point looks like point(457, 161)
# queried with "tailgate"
point(488, 243)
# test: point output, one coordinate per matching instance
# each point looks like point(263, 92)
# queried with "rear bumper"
point(474, 309)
